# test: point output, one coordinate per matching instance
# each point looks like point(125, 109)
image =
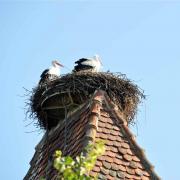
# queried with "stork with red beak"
point(88, 64)
point(52, 73)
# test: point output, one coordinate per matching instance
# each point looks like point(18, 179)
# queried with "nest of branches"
point(81, 85)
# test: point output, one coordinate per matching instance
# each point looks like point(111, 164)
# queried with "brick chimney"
point(74, 120)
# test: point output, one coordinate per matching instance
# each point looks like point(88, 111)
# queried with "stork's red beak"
point(59, 64)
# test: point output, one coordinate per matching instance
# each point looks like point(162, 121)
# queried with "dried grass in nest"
point(121, 91)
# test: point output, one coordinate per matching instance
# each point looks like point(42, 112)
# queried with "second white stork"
point(51, 73)
point(88, 64)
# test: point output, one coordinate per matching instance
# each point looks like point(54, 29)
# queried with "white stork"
point(51, 73)
point(88, 64)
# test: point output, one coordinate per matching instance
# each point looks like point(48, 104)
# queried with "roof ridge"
point(92, 125)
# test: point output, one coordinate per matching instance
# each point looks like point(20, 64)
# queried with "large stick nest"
point(123, 92)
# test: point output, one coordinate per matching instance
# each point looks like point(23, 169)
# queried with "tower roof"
point(97, 118)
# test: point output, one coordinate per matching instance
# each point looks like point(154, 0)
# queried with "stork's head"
point(55, 63)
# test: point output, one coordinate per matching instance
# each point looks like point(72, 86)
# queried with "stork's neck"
point(55, 66)
point(96, 57)
point(54, 69)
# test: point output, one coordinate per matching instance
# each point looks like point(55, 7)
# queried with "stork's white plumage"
point(51, 73)
point(88, 64)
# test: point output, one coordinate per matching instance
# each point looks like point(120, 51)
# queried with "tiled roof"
point(97, 119)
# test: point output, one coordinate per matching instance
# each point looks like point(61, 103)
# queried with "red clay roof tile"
point(114, 132)
point(109, 177)
point(102, 177)
point(113, 149)
point(125, 145)
point(116, 128)
point(129, 151)
point(111, 137)
point(98, 163)
point(139, 165)
point(119, 139)
point(101, 125)
point(116, 144)
point(122, 150)
point(104, 113)
point(93, 174)
point(114, 166)
point(102, 158)
point(130, 170)
point(109, 143)
point(96, 169)
point(122, 168)
point(112, 173)
point(145, 178)
point(110, 154)
point(119, 156)
point(133, 165)
point(139, 172)
point(105, 130)
point(106, 164)
point(117, 161)
point(107, 125)
point(129, 176)
point(104, 170)
point(127, 157)
point(121, 175)
point(103, 136)
point(146, 173)
point(109, 159)
point(135, 158)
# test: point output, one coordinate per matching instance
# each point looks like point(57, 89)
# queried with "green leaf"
point(69, 160)
point(58, 153)
point(69, 169)
point(78, 159)
point(41, 178)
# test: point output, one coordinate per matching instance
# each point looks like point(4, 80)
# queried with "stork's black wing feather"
point(81, 60)
point(81, 67)
point(44, 73)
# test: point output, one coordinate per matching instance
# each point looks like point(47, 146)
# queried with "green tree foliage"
point(78, 169)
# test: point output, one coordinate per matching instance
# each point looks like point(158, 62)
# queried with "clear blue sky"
point(138, 38)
